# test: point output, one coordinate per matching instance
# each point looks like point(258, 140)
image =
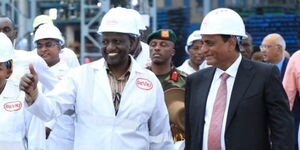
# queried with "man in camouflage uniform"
point(162, 49)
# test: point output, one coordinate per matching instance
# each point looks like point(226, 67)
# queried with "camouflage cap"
point(162, 34)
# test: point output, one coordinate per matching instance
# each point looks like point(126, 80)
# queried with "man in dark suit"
point(247, 110)
point(273, 47)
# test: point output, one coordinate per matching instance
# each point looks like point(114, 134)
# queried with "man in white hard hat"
point(49, 41)
point(118, 104)
point(193, 49)
point(66, 54)
point(19, 130)
point(237, 104)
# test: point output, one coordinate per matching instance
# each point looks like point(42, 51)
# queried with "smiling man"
point(118, 104)
point(237, 104)
point(48, 41)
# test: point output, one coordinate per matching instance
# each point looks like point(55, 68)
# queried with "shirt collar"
point(279, 64)
point(101, 64)
point(123, 76)
point(232, 70)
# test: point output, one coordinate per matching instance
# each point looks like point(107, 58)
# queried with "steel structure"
point(90, 15)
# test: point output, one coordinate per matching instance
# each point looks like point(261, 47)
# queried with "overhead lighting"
point(99, 4)
point(53, 13)
point(134, 2)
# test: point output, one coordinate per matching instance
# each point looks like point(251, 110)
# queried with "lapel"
point(242, 81)
point(203, 90)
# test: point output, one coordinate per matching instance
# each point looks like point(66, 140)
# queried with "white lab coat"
point(62, 134)
point(142, 122)
point(69, 57)
point(21, 63)
point(19, 130)
point(144, 57)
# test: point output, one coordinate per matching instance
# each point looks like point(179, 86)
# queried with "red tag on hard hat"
point(165, 34)
point(112, 22)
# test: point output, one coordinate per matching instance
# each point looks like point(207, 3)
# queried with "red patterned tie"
point(214, 133)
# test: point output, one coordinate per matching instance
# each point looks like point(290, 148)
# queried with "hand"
point(28, 84)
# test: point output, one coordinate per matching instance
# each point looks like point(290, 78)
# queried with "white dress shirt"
point(232, 71)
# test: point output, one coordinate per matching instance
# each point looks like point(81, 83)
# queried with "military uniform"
point(173, 79)
point(173, 84)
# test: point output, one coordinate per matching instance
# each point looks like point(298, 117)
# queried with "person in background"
point(237, 104)
point(140, 51)
point(247, 47)
point(65, 54)
point(162, 49)
point(19, 130)
point(49, 42)
point(118, 104)
point(257, 55)
point(272, 47)
point(193, 49)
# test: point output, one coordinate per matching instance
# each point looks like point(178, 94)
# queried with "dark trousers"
point(296, 114)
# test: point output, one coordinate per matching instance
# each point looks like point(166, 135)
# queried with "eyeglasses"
point(47, 45)
point(267, 46)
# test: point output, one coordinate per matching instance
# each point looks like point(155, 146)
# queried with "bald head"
point(7, 26)
point(276, 39)
point(273, 46)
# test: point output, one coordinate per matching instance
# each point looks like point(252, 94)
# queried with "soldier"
point(162, 48)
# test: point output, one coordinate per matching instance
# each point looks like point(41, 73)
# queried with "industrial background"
point(79, 19)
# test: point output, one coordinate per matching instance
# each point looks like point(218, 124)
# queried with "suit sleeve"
point(280, 119)
point(187, 115)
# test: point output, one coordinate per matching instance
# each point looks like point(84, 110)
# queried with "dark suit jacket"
point(258, 103)
point(284, 64)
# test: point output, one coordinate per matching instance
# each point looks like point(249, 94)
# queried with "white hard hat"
point(6, 48)
point(193, 37)
point(41, 19)
point(223, 21)
point(138, 18)
point(48, 31)
point(118, 20)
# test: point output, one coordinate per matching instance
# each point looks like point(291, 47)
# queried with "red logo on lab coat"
point(12, 106)
point(144, 84)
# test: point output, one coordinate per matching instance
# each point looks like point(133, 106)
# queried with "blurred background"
point(78, 20)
